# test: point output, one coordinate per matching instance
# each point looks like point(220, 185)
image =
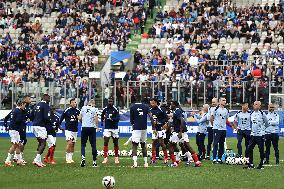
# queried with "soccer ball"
point(238, 161)
point(102, 153)
point(130, 153)
point(149, 146)
point(161, 154)
point(149, 154)
point(99, 153)
point(108, 182)
point(110, 153)
point(123, 153)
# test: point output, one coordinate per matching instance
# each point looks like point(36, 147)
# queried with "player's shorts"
point(174, 138)
point(40, 132)
point(71, 135)
point(15, 136)
point(160, 134)
point(139, 136)
point(51, 141)
point(111, 133)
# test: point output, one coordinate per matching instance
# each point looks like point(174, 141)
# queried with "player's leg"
point(154, 152)
point(216, 140)
point(107, 135)
point(93, 142)
point(68, 145)
point(173, 148)
point(221, 145)
point(202, 144)
point(260, 143)
point(250, 148)
point(52, 150)
point(164, 148)
point(275, 141)
point(143, 146)
point(84, 140)
point(247, 139)
point(190, 152)
point(23, 144)
point(115, 137)
point(268, 140)
point(15, 139)
point(41, 134)
point(49, 144)
point(239, 145)
point(135, 142)
point(210, 141)
point(198, 143)
point(74, 136)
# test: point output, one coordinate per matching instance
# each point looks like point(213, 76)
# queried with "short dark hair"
point(155, 100)
point(72, 99)
point(175, 103)
point(45, 97)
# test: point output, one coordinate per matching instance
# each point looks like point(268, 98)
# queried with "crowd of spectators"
point(195, 29)
point(58, 42)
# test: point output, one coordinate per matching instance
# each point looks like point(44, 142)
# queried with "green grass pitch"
point(73, 176)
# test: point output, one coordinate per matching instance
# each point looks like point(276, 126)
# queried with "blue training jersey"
point(71, 119)
point(159, 116)
point(138, 116)
point(41, 114)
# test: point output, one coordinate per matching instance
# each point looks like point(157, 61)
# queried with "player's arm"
point(62, 117)
point(201, 120)
point(266, 124)
point(131, 116)
point(6, 120)
point(211, 119)
point(235, 123)
point(97, 121)
point(228, 122)
point(46, 114)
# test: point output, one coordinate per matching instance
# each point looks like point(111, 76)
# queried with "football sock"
point(116, 148)
point(177, 156)
point(52, 150)
point(38, 158)
point(195, 157)
point(135, 159)
point(173, 158)
point(9, 157)
point(105, 151)
point(145, 159)
point(165, 154)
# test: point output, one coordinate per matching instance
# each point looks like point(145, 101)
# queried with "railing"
point(60, 92)
point(193, 94)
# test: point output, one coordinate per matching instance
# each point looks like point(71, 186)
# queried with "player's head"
point(256, 105)
point(73, 103)
point(214, 102)
point(20, 103)
point(174, 105)
point(271, 107)
point(154, 102)
point(46, 98)
point(27, 99)
point(222, 101)
point(138, 98)
point(92, 103)
point(245, 107)
point(205, 107)
point(52, 109)
point(110, 101)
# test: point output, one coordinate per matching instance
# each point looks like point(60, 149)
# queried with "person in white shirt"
point(90, 122)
